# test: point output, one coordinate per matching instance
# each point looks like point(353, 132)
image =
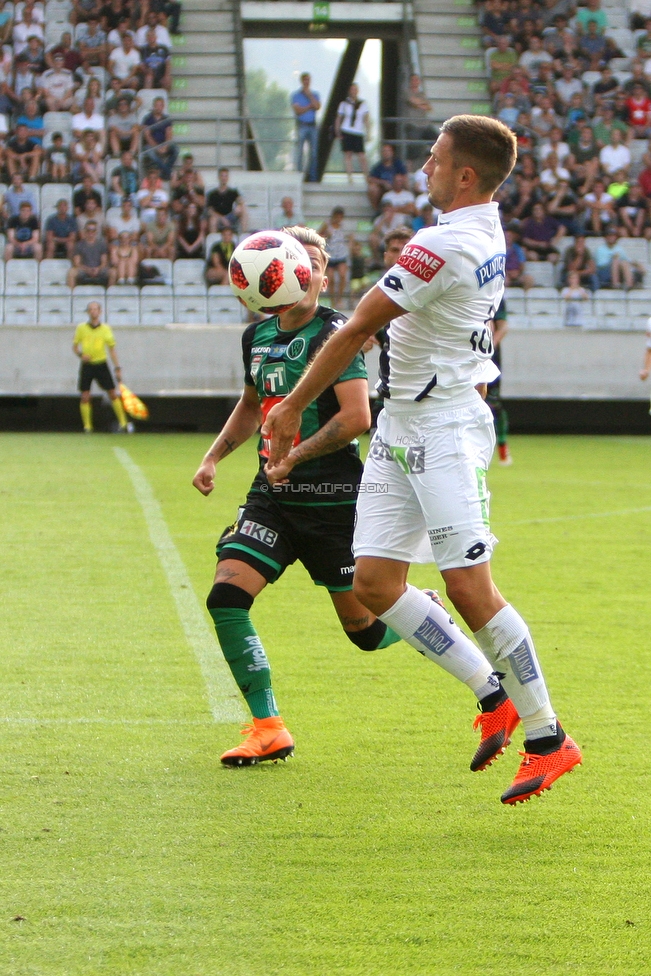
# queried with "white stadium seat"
point(123, 310)
point(541, 272)
point(163, 266)
point(189, 277)
point(81, 296)
point(20, 310)
point(190, 308)
point(544, 307)
point(156, 309)
point(224, 309)
point(52, 274)
point(54, 309)
point(610, 308)
point(21, 276)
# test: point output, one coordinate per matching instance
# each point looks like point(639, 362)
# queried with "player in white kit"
point(432, 449)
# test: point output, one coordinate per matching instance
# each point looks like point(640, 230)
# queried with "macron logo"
point(493, 268)
point(420, 262)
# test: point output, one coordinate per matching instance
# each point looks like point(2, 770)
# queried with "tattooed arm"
point(242, 423)
point(353, 418)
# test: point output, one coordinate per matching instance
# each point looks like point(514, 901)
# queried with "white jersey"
point(450, 280)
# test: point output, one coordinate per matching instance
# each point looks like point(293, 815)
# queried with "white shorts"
point(423, 496)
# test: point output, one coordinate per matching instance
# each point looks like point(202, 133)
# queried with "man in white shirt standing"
point(615, 155)
point(433, 445)
point(351, 126)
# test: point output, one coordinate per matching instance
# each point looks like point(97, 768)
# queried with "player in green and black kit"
point(309, 517)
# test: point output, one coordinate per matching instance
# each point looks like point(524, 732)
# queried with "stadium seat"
point(541, 272)
point(544, 308)
point(35, 190)
point(162, 265)
point(638, 308)
point(224, 309)
point(2, 278)
point(51, 193)
point(190, 308)
point(52, 274)
point(53, 31)
point(610, 309)
point(515, 301)
point(188, 277)
point(54, 309)
point(20, 310)
point(156, 309)
point(58, 122)
point(211, 240)
point(519, 321)
point(123, 309)
point(147, 96)
point(635, 249)
point(623, 38)
point(21, 277)
point(81, 296)
point(57, 10)
point(564, 244)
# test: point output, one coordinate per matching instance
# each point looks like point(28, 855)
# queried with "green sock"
point(502, 426)
point(246, 658)
point(390, 637)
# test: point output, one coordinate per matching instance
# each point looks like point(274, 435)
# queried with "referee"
point(93, 338)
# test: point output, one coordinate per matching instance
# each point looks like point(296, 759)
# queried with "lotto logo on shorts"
point(522, 663)
point(420, 262)
point(436, 640)
point(259, 532)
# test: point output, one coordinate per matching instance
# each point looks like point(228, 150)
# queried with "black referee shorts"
point(95, 371)
point(270, 537)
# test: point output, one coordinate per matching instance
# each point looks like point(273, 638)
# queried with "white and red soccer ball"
point(270, 272)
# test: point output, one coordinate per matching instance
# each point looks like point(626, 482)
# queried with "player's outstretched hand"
point(204, 479)
point(279, 430)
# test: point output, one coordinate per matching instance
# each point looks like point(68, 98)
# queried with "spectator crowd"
point(580, 107)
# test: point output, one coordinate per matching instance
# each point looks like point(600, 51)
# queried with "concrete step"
point(196, 42)
point(445, 108)
point(454, 66)
point(437, 88)
point(204, 108)
point(207, 20)
point(431, 23)
point(202, 86)
point(221, 5)
point(450, 44)
point(320, 198)
point(197, 132)
point(216, 65)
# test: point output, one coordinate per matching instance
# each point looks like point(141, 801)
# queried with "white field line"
point(17, 720)
point(219, 682)
point(576, 518)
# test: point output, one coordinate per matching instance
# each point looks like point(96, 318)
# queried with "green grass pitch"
point(127, 849)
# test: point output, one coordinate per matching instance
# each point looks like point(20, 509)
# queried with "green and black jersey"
point(274, 361)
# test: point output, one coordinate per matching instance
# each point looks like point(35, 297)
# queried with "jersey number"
point(483, 341)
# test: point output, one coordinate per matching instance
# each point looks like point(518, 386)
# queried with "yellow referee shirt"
point(94, 341)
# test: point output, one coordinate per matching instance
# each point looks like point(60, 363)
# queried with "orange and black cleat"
point(497, 727)
point(538, 771)
point(266, 739)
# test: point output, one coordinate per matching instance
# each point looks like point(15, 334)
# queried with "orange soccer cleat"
point(497, 728)
point(266, 738)
point(538, 772)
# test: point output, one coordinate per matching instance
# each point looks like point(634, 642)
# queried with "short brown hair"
point(398, 234)
point(308, 236)
point(486, 145)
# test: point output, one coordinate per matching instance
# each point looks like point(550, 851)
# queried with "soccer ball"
point(270, 271)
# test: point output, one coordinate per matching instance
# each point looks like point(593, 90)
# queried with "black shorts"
point(270, 537)
point(95, 371)
point(352, 143)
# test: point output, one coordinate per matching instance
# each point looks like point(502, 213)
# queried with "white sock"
point(507, 643)
point(430, 629)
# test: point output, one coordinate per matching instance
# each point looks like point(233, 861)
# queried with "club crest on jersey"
point(495, 267)
point(420, 262)
point(296, 348)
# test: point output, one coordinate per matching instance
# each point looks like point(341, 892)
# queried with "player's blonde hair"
point(308, 236)
point(486, 145)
